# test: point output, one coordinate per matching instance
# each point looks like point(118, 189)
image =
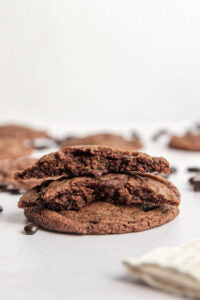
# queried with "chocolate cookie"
point(104, 139)
point(22, 132)
point(93, 161)
point(190, 141)
point(75, 193)
point(13, 148)
point(9, 167)
point(103, 218)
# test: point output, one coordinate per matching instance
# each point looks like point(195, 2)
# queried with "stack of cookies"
point(99, 190)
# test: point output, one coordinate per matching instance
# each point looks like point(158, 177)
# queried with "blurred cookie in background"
point(189, 141)
point(22, 132)
point(104, 139)
point(9, 167)
point(11, 147)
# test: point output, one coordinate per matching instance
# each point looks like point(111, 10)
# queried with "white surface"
point(61, 266)
point(99, 59)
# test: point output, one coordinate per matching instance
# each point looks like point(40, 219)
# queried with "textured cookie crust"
point(75, 193)
point(9, 167)
point(189, 141)
point(104, 139)
point(102, 218)
point(13, 148)
point(16, 131)
point(93, 161)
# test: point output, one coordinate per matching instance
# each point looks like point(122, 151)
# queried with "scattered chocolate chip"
point(198, 125)
point(3, 187)
point(9, 188)
point(14, 191)
point(135, 135)
point(1, 208)
point(193, 169)
point(31, 228)
point(158, 134)
point(173, 170)
point(195, 181)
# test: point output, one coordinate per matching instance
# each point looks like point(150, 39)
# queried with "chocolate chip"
point(195, 181)
point(31, 228)
point(1, 208)
point(9, 188)
point(15, 191)
point(135, 135)
point(158, 134)
point(193, 169)
point(147, 207)
point(173, 170)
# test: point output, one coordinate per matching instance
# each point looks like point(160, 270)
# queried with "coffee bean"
point(31, 228)
point(193, 169)
point(1, 208)
point(195, 181)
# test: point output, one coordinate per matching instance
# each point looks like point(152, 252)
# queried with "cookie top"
point(104, 139)
point(75, 193)
point(190, 141)
point(13, 148)
point(9, 167)
point(93, 161)
point(103, 218)
point(17, 131)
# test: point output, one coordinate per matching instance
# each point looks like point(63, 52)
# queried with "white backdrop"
point(94, 60)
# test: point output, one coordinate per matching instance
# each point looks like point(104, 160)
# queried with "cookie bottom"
point(102, 218)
